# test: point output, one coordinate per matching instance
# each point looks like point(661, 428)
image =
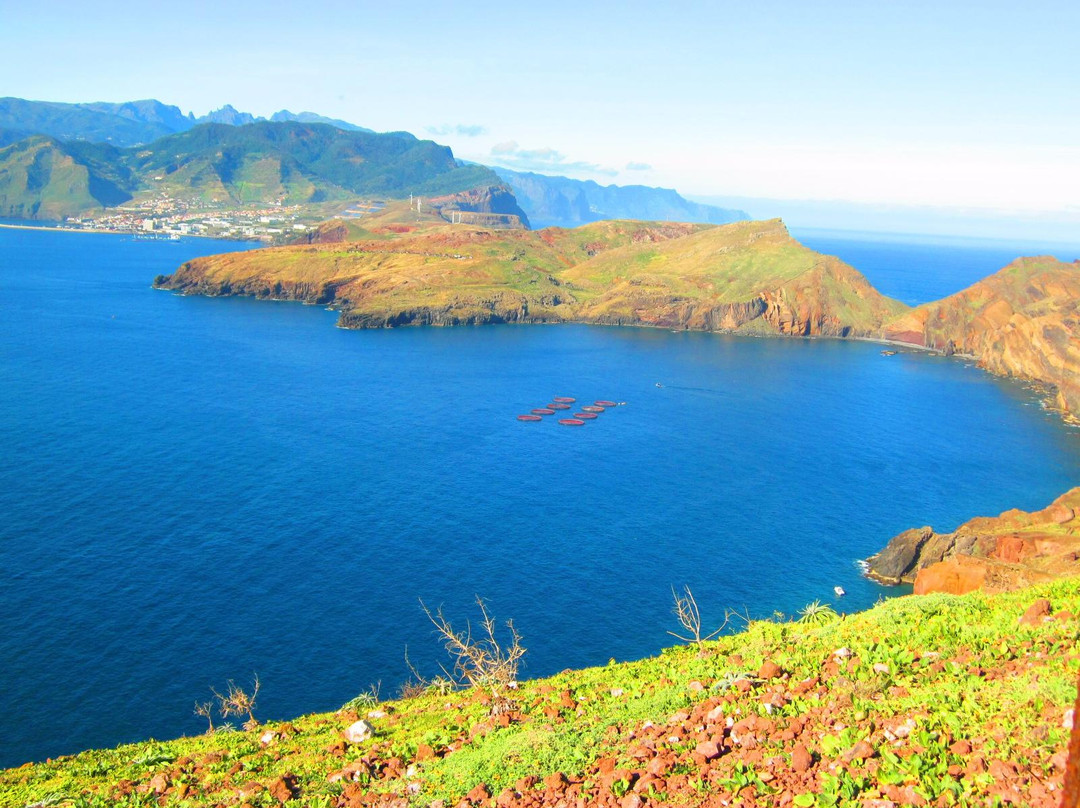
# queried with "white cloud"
point(510, 154)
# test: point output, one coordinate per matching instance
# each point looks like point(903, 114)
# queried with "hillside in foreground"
point(922, 700)
point(747, 277)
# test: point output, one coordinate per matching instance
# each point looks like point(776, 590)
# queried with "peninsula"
point(746, 277)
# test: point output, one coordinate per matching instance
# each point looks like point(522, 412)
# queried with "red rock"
point(1036, 612)
point(284, 788)
point(861, 751)
point(1065, 616)
point(506, 797)
point(158, 783)
point(424, 752)
point(557, 782)
point(660, 764)
point(479, 794)
point(631, 801)
point(708, 750)
point(801, 760)
point(961, 747)
point(769, 670)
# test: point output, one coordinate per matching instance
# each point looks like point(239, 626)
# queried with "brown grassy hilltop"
point(1022, 321)
point(748, 277)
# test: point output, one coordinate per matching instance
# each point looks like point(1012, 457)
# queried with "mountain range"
point(130, 123)
point(72, 173)
point(266, 162)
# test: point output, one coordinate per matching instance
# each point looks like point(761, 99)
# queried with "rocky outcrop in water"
point(1000, 553)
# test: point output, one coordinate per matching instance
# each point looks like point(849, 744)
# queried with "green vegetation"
point(748, 277)
point(286, 162)
point(921, 699)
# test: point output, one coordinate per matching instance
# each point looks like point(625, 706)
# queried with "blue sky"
point(915, 103)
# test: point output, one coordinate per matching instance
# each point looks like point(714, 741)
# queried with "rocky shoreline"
point(995, 554)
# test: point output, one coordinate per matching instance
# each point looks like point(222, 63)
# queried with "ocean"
point(195, 490)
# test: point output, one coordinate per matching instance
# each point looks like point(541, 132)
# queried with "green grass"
point(957, 668)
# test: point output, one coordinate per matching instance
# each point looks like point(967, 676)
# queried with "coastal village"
point(168, 217)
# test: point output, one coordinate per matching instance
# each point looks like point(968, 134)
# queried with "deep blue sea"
point(197, 489)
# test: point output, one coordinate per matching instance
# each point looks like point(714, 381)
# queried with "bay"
point(201, 489)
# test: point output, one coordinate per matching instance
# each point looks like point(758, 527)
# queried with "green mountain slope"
point(41, 178)
point(286, 162)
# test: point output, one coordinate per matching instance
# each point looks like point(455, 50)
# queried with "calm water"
point(918, 269)
point(196, 489)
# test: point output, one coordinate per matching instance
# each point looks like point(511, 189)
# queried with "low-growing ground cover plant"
point(928, 700)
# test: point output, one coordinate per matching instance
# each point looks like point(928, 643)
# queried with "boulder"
point(359, 732)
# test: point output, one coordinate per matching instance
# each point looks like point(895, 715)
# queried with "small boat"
point(585, 416)
point(659, 385)
point(571, 422)
point(839, 590)
point(605, 403)
point(530, 418)
point(888, 353)
point(542, 411)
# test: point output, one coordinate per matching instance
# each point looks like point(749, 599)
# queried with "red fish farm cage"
point(542, 411)
point(572, 421)
point(530, 418)
point(585, 416)
point(604, 403)
point(558, 406)
point(592, 409)
point(564, 400)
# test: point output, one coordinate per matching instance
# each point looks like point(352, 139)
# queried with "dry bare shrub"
point(689, 616)
point(483, 661)
point(239, 702)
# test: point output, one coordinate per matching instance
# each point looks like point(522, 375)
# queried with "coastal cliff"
point(748, 277)
point(999, 553)
point(1023, 321)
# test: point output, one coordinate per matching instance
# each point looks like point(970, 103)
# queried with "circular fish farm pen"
point(592, 409)
point(585, 416)
point(564, 400)
point(530, 418)
point(605, 403)
point(571, 422)
point(542, 411)
point(558, 406)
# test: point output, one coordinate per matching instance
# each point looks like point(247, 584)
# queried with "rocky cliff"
point(1000, 553)
point(1023, 321)
point(749, 277)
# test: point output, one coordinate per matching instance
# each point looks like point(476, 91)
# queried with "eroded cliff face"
point(492, 206)
point(1023, 321)
point(746, 278)
point(996, 554)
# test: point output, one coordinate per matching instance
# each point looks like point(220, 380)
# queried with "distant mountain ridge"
point(130, 123)
point(564, 202)
point(285, 162)
point(542, 200)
